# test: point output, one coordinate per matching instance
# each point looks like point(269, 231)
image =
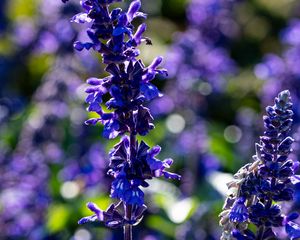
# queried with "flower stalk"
point(128, 227)
point(258, 188)
point(128, 84)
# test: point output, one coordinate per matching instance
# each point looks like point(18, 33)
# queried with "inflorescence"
point(258, 188)
point(129, 84)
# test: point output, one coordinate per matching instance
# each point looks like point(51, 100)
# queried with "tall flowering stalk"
point(280, 71)
point(258, 187)
point(129, 85)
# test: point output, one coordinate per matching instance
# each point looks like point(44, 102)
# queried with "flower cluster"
point(258, 187)
point(24, 195)
point(26, 171)
point(210, 28)
point(112, 34)
point(283, 69)
point(214, 18)
point(199, 63)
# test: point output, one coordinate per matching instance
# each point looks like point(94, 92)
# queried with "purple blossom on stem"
point(132, 163)
point(258, 187)
point(282, 71)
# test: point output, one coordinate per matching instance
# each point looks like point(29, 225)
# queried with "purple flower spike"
point(259, 185)
point(132, 163)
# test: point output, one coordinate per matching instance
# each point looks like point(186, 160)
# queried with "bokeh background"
point(227, 60)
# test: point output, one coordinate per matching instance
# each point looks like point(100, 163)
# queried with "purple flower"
point(293, 230)
point(119, 187)
point(144, 166)
point(282, 69)
point(256, 186)
point(247, 235)
point(134, 196)
point(112, 217)
point(291, 34)
point(239, 212)
point(112, 34)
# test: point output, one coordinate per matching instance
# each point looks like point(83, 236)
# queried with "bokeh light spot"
point(175, 123)
point(69, 190)
point(180, 210)
point(232, 134)
point(82, 234)
point(219, 180)
point(205, 88)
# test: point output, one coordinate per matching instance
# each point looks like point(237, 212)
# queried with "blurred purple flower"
point(283, 69)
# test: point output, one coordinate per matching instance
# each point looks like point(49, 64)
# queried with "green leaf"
point(162, 225)
point(221, 148)
point(58, 216)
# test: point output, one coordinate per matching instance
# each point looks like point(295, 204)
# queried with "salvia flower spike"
point(259, 187)
point(132, 163)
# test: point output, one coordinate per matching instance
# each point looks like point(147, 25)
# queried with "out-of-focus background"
point(227, 60)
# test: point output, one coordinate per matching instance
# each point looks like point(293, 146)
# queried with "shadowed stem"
point(261, 232)
point(128, 207)
point(128, 227)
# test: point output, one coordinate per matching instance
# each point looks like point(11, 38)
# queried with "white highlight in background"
point(175, 123)
point(82, 234)
point(69, 190)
